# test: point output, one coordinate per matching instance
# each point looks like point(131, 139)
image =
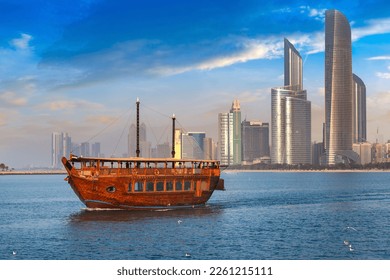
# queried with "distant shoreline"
point(63, 172)
point(307, 171)
point(33, 172)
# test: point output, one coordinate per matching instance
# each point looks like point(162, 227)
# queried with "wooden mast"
point(173, 136)
point(137, 151)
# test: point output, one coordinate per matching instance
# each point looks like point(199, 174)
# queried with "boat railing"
point(145, 171)
point(148, 168)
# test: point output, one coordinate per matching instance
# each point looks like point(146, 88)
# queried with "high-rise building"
point(292, 66)
point(67, 144)
point(359, 124)
point(95, 149)
point(235, 112)
point(338, 89)
point(60, 146)
point(208, 148)
point(85, 149)
point(316, 153)
point(188, 147)
point(56, 149)
point(143, 143)
point(291, 114)
point(225, 146)
point(163, 150)
point(364, 151)
point(255, 140)
point(229, 135)
point(178, 136)
point(193, 145)
point(379, 153)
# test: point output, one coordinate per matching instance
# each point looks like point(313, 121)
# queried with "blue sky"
point(78, 66)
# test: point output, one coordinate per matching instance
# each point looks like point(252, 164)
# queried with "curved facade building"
point(291, 114)
point(291, 126)
point(338, 87)
point(359, 111)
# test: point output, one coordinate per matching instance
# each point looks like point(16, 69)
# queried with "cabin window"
point(149, 186)
point(187, 185)
point(138, 186)
point(160, 186)
point(179, 186)
point(169, 186)
point(129, 187)
point(111, 189)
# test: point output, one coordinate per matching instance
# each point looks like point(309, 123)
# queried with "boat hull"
point(143, 189)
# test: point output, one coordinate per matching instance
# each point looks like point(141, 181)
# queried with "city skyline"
point(191, 59)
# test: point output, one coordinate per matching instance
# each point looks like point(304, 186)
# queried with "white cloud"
point(383, 75)
point(317, 14)
point(379, 58)
point(103, 119)
point(9, 98)
point(23, 42)
point(249, 49)
point(269, 48)
point(241, 50)
point(252, 49)
point(373, 27)
point(308, 43)
point(70, 105)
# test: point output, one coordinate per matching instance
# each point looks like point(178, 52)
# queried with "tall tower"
point(359, 118)
point(338, 87)
point(57, 149)
point(291, 114)
point(292, 66)
point(60, 146)
point(144, 144)
point(225, 138)
point(235, 113)
point(229, 135)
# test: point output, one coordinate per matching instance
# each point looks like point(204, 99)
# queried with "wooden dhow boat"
point(143, 183)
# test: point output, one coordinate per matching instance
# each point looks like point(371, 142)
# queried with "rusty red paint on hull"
point(142, 188)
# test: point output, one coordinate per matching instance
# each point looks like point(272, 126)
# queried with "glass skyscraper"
point(255, 140)
point(60, 146)
point(229, 135)
point(291, 114)
point(338, 88)
point(143, 143)
point(359, 111)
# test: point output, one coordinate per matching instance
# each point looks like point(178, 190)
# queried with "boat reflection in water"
point(179, 215)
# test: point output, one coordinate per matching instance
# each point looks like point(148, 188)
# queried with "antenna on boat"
point(137, 151)
point(173, 135)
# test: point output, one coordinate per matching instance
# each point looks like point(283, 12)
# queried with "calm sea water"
point(260, 216)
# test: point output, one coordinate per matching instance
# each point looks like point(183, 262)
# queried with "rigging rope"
point(109, 125)
point(123, 131)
